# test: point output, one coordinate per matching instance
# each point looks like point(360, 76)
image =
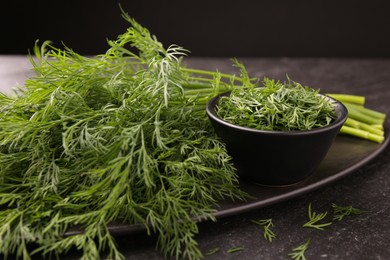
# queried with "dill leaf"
point(234, 249)
point(298, 253)
point(267, 224)
point(342, 211)
point(314, 218)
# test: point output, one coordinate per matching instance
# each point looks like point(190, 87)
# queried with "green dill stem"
point(359, 125)
point(205, 84)
point(366, 111)
point(211, 73)
point(356, 114)
point(194, 85)
point(203, 92)
point(377, 126)
point(361, 134)
point(348, 98)
point(362, 122)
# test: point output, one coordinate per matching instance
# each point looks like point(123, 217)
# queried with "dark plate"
point(346, 155)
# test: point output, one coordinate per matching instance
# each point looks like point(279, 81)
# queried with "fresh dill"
point(234, 250)
point(339, 212)
point(119, 137)
point(314, 218)
point(266, 224)
point(277, 106)
point(298, 253)
point(213, 251)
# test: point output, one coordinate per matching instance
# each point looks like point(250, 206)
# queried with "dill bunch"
point(121, 137)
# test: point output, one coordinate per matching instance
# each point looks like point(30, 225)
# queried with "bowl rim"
point(340, 109)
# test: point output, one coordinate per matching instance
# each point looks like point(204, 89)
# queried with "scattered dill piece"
point(298, 253)
point(342, 211)
point(266, 224)
point(212, 251)
point(314, 218)
point(234, 249)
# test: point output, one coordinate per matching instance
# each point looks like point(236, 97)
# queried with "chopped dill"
point(276, 106)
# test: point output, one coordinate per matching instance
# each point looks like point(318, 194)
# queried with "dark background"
point(262, 28)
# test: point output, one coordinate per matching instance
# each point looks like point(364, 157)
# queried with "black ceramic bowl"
point(276, 157)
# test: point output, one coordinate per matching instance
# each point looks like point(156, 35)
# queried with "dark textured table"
point(365, 236)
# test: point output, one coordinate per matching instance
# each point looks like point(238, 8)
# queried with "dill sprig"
point(235, 250)
point(213, 251)
point(314, 218)
point(339, 212)
point(298, 253)
point(266, 224)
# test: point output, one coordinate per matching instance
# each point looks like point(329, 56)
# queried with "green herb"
point(298, 253)
point(267, 224)
point(213, 251)
point(121, 137)
point(276, 106)
point(314, 218)
point(340, 212)
point(234, 249)
point(362, 122)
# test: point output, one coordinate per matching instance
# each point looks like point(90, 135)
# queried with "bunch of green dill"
point(121, 137)
point(277, 106)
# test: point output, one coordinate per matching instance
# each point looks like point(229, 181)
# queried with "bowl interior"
point(276, 157)
point(341, 113)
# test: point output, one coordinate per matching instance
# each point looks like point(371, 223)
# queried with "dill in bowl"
point(277, 106)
